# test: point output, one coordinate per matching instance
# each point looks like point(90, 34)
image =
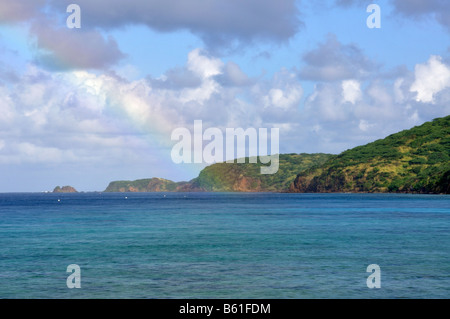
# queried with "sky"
point(90, 105)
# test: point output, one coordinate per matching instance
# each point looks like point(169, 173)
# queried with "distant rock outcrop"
point(65, 189)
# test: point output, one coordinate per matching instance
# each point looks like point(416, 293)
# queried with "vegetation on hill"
point(247, 177)
point(144, 185)
point(412, 161)
point(229, 177)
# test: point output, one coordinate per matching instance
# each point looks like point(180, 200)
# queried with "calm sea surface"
point(224, 245)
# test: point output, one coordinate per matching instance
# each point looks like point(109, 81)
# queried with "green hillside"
point(143, 185)
point(225, 177)
point(411, 161)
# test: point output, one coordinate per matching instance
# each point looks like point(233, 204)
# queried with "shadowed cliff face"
point(247, 177)
point(411, 161)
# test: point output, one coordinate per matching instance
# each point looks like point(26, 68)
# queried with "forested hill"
point(144, 185)
point(226, 177)
point(411, 161)
point(235, 177)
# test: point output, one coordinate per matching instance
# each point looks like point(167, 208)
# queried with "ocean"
point(224, 245)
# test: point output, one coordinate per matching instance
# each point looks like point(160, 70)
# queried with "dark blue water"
point(222, 245)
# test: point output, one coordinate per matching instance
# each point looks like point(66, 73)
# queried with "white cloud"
point(326, 103)
point(364, 125)
point(381, 95)
point(206, 68)
point(202, 65)
point(6, 108)
point(341, 115)
point(399, 96)
point(284, 99)
point(83, 117)
point(36, 153)
point(234, 76)
point(284, 93)
point(351, 91)
point(430, 79)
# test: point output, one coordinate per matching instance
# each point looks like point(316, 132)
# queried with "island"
point(64, 189)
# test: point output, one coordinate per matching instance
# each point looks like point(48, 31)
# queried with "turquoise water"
point(222, 245)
